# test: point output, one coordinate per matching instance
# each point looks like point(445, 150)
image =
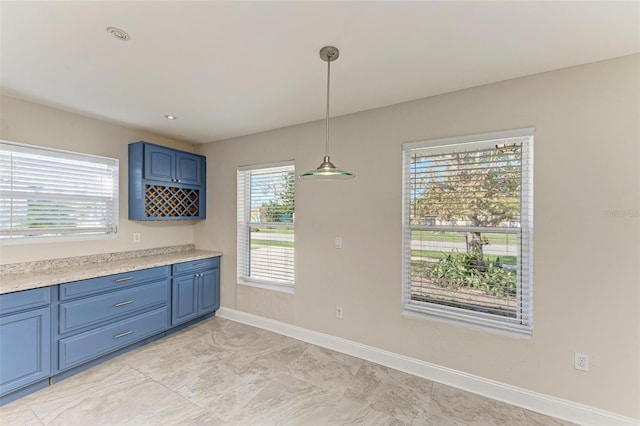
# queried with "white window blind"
point(48, 193)
point(266, 210)
point(467, 224)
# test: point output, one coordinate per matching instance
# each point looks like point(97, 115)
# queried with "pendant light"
point(326, 170)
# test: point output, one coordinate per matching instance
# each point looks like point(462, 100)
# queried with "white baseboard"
point(534, 401)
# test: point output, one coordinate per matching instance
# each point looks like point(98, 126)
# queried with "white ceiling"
point(227, 69)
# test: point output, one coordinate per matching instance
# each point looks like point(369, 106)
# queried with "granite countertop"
point(25, 276)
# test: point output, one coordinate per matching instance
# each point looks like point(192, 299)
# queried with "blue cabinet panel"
point(159, 163)
point(189, 168)
point(209, 288)
point(94, 310)
point(184, 299)
point(22, 300)
point(91, 344)
point(111, 282)
point(25, 348)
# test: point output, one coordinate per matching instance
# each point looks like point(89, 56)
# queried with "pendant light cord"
point(326, 144)
point(327, 170)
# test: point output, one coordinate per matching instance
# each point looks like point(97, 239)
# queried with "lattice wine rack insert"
point(168, 201)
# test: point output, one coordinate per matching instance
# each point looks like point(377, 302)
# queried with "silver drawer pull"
point(200, 264)
point(126, 333)
point(119, 280)
point(117, 305)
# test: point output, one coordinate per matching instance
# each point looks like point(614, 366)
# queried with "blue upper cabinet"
point(169, 165)
point(165, 183)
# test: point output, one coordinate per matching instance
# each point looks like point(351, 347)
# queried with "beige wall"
point(35, 124)
point(586, 237)
point(586, 274)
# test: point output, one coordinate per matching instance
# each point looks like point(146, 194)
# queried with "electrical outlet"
point(581, 361)
point(338, 242)
point(339, 312)
point(136, 237)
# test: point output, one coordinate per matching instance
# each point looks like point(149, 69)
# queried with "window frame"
point(523, 323)
point(60, 234)
point(244, 225)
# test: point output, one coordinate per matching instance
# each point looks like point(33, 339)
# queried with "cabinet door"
point(25, 345)
point(209, 283)
point(184, 305)
point(188, 168)
point(159, 163)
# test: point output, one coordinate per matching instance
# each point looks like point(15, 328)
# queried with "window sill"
point(281, 289)
point(468, 321)
point(57, 239)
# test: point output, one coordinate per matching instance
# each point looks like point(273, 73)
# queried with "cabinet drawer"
point(91, 344)
point(93, 310)
point(110, 282)
point(186, 267)
point(27, 299)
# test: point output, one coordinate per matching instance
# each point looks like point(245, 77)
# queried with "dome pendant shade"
point(326, 170)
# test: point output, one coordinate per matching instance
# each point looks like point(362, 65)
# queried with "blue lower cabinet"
point(25, 342)
point(195, 289)
point(88, 321)
point(98, 322)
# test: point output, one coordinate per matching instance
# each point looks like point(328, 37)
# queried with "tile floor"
point(220, 372)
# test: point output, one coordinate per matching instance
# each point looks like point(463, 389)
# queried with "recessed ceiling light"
point(170, 117)
point(118, 33)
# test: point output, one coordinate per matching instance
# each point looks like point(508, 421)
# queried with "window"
point(47, 193)
point(266, 210)
point(467, 224)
